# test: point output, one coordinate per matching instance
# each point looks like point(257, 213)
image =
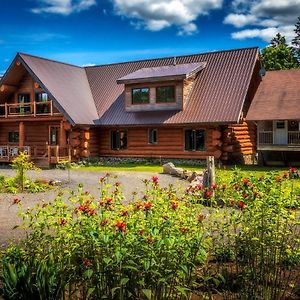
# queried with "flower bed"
point(239, 240)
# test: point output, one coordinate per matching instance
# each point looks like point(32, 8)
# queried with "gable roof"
point(217, 96)
point(277, 97)
point(181, 71)
point(67, 84)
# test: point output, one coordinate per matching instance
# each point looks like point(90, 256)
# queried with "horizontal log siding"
point(36, 134)
point(170, 143)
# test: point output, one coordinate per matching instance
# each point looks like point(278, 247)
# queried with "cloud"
point(62, 7)
point(156, 15)
point(265, 17)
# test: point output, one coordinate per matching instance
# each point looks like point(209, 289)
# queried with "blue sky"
point(85, 32)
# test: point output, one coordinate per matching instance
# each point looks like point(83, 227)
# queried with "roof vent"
point(174, 61)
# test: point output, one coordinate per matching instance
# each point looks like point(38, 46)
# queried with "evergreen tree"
point(296, 42)
point(278, 56)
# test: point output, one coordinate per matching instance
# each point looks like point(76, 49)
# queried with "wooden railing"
point(8, 153)
point(294, 137)
point(265, 137)
point(27, 109)
point(57, 154)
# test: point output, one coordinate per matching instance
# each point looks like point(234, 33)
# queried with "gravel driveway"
point(131, 181)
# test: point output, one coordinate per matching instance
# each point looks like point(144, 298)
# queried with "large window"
point(41, 97)
point(13, 137)
point(195, 140)
point(140, 95)
point(152, 136)
point(165, 94)
point(24, 98)
point(118, 139)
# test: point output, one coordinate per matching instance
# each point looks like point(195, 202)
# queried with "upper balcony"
point(30, 109)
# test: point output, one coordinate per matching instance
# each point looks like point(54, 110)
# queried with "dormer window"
point(165, 94)
point(140, 95)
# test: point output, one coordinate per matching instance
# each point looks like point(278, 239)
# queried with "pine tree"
point(278, 56)
point(296, 42)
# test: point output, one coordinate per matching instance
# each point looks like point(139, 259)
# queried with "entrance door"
point(53, 135)
point(280, 133)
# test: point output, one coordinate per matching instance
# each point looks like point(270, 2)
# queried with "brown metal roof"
point(181, 71)
point(68, 85)
point(217, 97)
point(277, 97)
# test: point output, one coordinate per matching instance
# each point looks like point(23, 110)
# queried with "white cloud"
point(266, 16)
point(156, 15)
point(239, 20)
point(62, 7)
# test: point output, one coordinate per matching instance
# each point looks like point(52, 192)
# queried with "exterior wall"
point(170, 143)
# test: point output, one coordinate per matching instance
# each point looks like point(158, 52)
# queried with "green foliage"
point(296, 42)
point(278, 56)
point(22, 164)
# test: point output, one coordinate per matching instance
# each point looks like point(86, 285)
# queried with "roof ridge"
point(171, 57)
point(49, 59)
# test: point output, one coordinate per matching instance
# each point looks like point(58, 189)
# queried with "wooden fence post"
point(211, 172)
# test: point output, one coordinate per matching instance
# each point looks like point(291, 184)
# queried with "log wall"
point(170, 143)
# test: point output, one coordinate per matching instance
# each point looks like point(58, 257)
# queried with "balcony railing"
point(266, 138)
point(27, 109)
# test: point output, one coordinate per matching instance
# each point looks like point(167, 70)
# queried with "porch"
point(277, 135)
point(53, 155)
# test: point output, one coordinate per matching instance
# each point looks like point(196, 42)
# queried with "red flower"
point(245, 195)
point(174, 205)
point(83, 208)
point(141, 232)
point(154, 179)
point(241, 204)
point(199, 187)
point(16, 201)
point(87, 262)
point(138, 206)
point(108, 201)
point(148, 205)
point(293, 170)
point(201, 217)
point(62, 221)
point(121, 226)
point(214, 186)
point(278, 179)
point(246, 182)
point(208, 194)
point(285, 175)
point(92, 212)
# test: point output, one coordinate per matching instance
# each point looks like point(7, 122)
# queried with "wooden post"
point(51, 107)
point(62, 135)
point(49, 154)
point(34, 108)
point(21, 134)
point(6, 110)
point(211, 170)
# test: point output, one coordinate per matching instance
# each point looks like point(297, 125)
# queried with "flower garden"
point(238, 239)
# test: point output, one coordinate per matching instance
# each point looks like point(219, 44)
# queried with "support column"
point(21, 134)
point(62, 135)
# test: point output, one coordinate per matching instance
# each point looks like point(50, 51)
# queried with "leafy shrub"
point(149, 249)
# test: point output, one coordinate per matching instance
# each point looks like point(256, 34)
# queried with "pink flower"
point(241, 204)
point(154, 179)
point(121, 226)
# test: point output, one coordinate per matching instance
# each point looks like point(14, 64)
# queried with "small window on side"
point(195, 140)
point(118, 139)
point(140, 95)
point(152, 136)
point(165, 94)
point(41, 97)
point(13, 137)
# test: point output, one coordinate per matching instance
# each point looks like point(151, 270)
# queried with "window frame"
point(40, 93)
point(140, 88)
point(23, 94)
point(194, 140)
point(165, 86)
point(150, 136)
point(13, 133)
point(118, 139)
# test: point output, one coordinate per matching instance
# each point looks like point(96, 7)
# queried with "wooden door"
point(53, 135)
point(280, 133)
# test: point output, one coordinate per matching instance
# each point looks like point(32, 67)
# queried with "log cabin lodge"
point(185, 107)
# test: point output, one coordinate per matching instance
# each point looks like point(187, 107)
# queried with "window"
point(118, 139)
point(41, 97)
point(13, 137)
point(165, 94)
point(152, 136)
point(24, 98)
point(140, 95)
point(195, 140)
